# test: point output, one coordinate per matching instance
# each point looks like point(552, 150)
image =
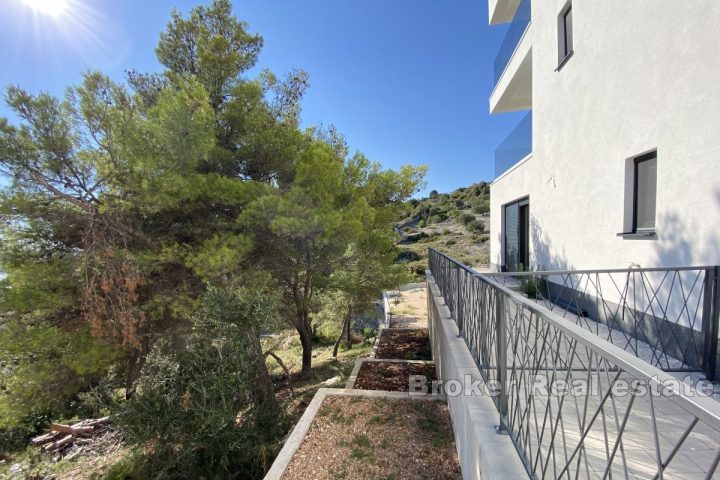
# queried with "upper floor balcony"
point(516, 146)
point(502, 11)
point(513, 64)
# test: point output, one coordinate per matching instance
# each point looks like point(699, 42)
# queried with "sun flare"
point(54, 8)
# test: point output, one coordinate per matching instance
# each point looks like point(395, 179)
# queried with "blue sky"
point(406, 81)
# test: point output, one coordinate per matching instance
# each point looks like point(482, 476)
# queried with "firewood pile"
point(69, 441)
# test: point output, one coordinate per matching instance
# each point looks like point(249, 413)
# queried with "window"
point(565, 37)
point(644, 193)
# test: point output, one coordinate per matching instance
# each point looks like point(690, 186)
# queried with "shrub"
point(438, 218)
point(15, 437)
point(208, 408)
point(475, 226)
point(415, 237)
point(481, 206)
point(408, 256)
point(466, 218)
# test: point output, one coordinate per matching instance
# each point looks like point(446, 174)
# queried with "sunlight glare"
point(54, 8)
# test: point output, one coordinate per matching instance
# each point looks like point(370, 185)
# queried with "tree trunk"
point(263, 390)
point(346, 326)
point(306, 341)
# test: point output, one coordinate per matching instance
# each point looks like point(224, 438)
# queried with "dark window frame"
point(636, 163)
point(565, 35)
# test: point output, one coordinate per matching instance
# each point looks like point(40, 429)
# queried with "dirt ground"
point(408, 309)
point(356, 438)
point(404, 344)
point(392, 376)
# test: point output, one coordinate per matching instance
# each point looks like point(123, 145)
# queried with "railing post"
point(501, 350)
point(459, 302)
point(710, 320)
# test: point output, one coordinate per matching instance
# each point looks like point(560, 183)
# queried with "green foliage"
point(43, 366)
point(475, 226)
point(481, 206)
point(328, 230)
point(448, 205)
point(212, 45)
point(203, 406)
point(466, 218)
point(407, 256)
point(15, 436)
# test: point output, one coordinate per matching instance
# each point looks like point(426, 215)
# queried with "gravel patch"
point(404, 344)
point(358, 438)
point(392, 376)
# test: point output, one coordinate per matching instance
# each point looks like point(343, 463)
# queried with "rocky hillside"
point(456, 223)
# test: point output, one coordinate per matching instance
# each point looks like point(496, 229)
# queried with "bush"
point(415, 237)
point(481, 207)
point(437, 218)
point(16, 437)
point(408, 256)
point(44, 367)
point(208, 408)
point(476, 226)
point(466, 218)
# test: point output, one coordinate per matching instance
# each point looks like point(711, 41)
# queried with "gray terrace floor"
point(655, 425)
point(642, 350)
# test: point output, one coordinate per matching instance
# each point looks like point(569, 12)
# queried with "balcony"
point(512, 38)
point(502, 11)
point(513, 65)
point(515, 147)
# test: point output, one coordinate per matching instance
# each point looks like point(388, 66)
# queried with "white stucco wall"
point(644, 75)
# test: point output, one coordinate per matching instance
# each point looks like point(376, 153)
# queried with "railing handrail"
point(703, 408)
point(585, 271)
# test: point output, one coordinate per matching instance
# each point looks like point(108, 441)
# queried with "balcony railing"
point(574, 404)
point(515, 147)
point(512, 38)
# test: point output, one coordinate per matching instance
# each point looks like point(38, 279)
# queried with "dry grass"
point(408, 309)
point(357, 438)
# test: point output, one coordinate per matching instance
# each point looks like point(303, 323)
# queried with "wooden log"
point(43, 439)
point(73, 430)
point(50, 447)
point(96, 422)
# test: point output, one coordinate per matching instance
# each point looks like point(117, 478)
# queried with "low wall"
point(483, 453)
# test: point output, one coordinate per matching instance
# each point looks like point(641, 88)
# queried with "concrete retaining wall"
point(483, 453)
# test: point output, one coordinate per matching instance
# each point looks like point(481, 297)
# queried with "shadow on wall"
point(680, 245)
point(544, 256)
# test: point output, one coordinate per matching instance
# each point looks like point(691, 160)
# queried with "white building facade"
point(617, 161)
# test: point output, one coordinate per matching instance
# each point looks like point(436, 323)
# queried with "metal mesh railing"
point(662, 316)
point(575, 405)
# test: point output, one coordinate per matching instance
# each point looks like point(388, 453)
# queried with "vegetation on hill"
point(456, 223)
point(155, 228)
